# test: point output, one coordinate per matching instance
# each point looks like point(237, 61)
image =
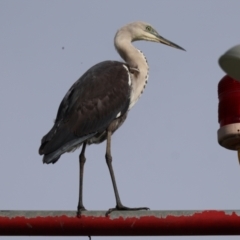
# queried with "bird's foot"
point(80, 210)
point(123, 208)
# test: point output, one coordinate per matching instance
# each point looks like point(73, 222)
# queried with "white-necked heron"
point(98, 103)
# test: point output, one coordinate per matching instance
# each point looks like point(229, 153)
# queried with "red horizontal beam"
point(128, 223)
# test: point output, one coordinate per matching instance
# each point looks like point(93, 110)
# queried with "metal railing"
point(120, 223)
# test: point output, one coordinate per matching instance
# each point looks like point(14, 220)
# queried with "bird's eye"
point(148, 28)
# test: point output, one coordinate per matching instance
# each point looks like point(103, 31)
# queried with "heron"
point(98, 103)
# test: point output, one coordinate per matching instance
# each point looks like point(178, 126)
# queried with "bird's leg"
point(82, 161)
point(119, 205)
point(109, 164)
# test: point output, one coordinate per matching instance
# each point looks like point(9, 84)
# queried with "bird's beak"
point(169, 43)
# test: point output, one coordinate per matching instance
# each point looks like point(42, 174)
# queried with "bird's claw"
point(123, 208)
point(80, 210)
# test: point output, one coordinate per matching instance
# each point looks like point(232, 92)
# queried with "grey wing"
point(90, 105)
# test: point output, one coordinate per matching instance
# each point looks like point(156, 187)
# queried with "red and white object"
point(229, 100)
point(229, 113)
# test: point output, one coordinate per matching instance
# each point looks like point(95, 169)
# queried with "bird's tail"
point(54, 156)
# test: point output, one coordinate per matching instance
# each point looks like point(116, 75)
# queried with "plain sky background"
point(166, 155)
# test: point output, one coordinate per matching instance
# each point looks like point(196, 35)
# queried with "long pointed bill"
point(169, 43)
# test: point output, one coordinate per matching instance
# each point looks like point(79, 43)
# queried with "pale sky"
point(166, 155)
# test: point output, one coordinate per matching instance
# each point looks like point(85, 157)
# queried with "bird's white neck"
point(135, 59)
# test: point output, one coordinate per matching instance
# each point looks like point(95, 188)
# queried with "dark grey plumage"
point(87, 109)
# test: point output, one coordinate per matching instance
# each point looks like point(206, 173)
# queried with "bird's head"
point(144, 31)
